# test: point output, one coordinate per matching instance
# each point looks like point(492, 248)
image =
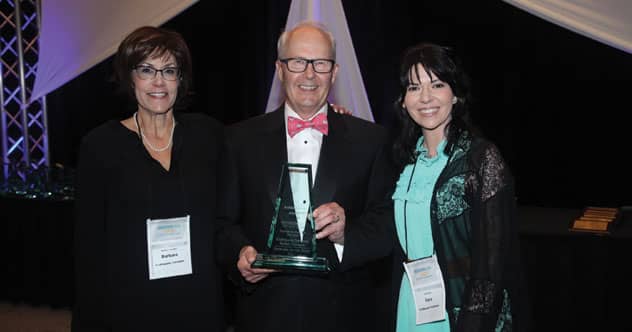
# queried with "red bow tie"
point(319, 122)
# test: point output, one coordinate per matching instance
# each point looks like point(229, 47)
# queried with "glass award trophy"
point(291, 244)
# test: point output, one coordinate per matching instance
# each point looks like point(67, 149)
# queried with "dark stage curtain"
point(553, 101)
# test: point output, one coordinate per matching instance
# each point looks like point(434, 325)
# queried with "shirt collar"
point(423, 152)
point(290, 112)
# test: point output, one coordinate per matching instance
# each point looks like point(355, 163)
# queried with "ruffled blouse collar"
point(422, 152)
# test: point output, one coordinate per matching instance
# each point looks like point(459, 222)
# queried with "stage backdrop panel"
point(607, 21)
point(75, 35)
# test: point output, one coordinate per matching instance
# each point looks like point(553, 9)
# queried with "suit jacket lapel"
point(331, 152)
point(272, 151)
point(325, 185)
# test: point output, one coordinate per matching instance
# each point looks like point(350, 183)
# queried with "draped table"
point(577, 280)
point(37, 250)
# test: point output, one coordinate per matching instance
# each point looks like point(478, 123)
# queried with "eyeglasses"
point(299, 65)
point(145, 72)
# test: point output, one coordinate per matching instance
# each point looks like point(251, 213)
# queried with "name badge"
point(168, 247)
point(426, 283)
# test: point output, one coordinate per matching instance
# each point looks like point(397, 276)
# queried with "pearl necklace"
point(146, 141)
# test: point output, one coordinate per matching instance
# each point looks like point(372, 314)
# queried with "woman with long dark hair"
point(454, 206)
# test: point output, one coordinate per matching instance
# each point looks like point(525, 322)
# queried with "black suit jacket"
point(353, 171)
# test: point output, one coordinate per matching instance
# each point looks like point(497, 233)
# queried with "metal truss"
point(23, 127)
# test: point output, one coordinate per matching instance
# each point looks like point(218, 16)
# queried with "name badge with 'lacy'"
point(427, 286)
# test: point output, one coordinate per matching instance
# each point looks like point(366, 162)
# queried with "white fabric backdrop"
point(607, 21)
point(77, 34)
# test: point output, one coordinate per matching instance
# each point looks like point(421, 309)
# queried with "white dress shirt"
point(304, 148)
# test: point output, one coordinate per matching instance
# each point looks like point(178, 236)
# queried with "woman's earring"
point(454, 100)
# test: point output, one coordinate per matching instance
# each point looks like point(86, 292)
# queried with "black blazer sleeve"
point(372, 234)
point(90, 309)
point(230, 237)
point(494, 235)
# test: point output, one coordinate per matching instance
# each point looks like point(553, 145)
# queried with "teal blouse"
point(412, 198)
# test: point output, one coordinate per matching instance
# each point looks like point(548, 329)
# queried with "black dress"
point(119, 186)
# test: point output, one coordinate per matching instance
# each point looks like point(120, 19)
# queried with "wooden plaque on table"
point(596, 220)
point(590, 225)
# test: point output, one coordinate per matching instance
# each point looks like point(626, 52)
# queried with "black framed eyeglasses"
point(145, 72)
point(299, 65)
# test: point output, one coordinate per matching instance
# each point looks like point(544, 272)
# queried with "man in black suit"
point(351, 193)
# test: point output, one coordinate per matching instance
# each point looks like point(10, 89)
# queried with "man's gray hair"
point(281, 44)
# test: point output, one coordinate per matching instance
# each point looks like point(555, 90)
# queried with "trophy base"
point(292, 263)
